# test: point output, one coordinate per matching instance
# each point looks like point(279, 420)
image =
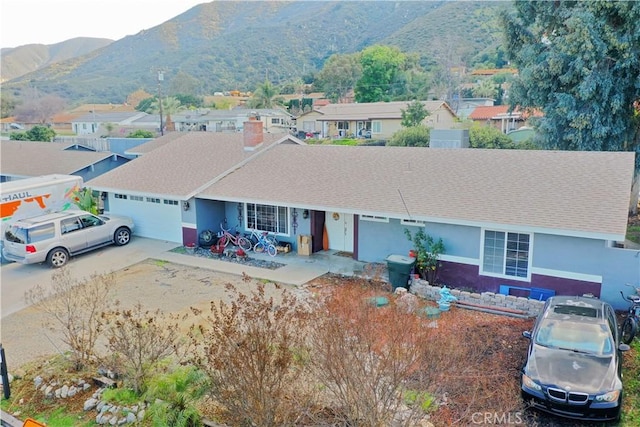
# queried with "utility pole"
point(160, 80)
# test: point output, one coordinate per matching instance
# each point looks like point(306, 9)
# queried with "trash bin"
point(399, 267)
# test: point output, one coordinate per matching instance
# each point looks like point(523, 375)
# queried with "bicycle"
point(225, 237)
point(254, 237)
point(265, 244)
point(630, 324)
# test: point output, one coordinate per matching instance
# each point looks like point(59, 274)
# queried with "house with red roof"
point(500, 117)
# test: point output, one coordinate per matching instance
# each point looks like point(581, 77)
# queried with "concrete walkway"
point(298, 269)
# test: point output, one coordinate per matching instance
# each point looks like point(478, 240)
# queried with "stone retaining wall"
point(529, 307)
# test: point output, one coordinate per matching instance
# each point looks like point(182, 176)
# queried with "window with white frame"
point(269, 218)
point(137, 198)
point(506, 254)
point(153, 200)
point(120, 196)
point(376, 126)
point(170, 202)
point(374, 218)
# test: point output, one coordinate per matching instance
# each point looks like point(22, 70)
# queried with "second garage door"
point(155, 218)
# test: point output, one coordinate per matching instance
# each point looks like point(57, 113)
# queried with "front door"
point(339, 231)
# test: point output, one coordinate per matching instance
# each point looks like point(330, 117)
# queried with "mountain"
point(21, 60)
point(226, 45)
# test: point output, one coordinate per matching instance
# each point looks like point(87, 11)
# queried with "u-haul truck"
point(28, 197)
point(38, 195)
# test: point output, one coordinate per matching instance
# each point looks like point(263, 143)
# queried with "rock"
point(131, 418)
point(114, 420)
point(104, 382)
point(141, 415)
point(64, 391)
point(90, 404)
point(37, 381)
point(48, 392)
point(102, 418)
point(407, 301)
point(72, 391)
point(58, 393)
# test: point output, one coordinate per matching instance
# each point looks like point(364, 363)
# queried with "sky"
point(53, 21)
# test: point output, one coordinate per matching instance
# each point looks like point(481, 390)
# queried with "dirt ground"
point(171, 288)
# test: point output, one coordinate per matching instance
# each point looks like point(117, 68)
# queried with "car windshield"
point(582, 337)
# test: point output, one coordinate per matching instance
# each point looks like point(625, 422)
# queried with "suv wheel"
point(57, 257)
point(122, 236)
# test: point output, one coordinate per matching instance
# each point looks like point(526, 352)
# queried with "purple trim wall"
point(456, 275)
point(189, 235)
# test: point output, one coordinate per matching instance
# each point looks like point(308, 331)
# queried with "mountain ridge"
point(21, 60)
point(226, 45)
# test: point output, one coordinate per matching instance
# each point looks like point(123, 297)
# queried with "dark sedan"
point(574, 361)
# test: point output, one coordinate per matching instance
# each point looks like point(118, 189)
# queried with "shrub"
point(366, 356)
point(255, 356)
point(73, 306)
point(140, 340)
point(175, 396)
point(428, 253)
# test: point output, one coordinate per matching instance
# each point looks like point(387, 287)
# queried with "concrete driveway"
point(16, 279)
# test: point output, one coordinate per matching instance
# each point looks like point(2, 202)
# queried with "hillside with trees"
point(221, 46)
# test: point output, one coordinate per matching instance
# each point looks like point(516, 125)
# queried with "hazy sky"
point(53, 21)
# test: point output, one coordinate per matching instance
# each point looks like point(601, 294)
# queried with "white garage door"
point(153, 217)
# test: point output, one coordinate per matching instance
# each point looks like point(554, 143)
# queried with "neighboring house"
point(310, 122)
point(24, 159)
point(382, 119)
point(500, 117)
point(62, 122)
point(274, 120)
point(465, 106)
point(546, 219)
point(120, 123)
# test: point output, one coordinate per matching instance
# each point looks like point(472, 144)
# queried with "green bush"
point(428, 253)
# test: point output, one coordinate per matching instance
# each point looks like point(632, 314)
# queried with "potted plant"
point(427, 253)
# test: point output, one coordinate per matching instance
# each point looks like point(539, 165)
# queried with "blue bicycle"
point(263, 242)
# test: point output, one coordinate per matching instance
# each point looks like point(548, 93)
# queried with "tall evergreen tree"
point(579, 63)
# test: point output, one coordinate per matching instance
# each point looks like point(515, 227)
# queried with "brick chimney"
point(253, 136)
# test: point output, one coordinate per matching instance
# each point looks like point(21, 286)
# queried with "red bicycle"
point(225, 237)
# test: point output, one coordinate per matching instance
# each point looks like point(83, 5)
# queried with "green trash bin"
point(399, 267)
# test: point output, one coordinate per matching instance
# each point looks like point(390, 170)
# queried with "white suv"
point(56, 236)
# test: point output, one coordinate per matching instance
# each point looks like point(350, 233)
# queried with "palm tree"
point(265, 96)
point(170, 105)
point(486, 89)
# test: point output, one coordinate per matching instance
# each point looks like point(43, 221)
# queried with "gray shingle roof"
point(154, 143)
point(29, 158)
point(373, 110)
point(575, 193)
point(180, 164)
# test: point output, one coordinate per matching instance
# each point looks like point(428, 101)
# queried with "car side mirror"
point(527, 335)
point(624, 347)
